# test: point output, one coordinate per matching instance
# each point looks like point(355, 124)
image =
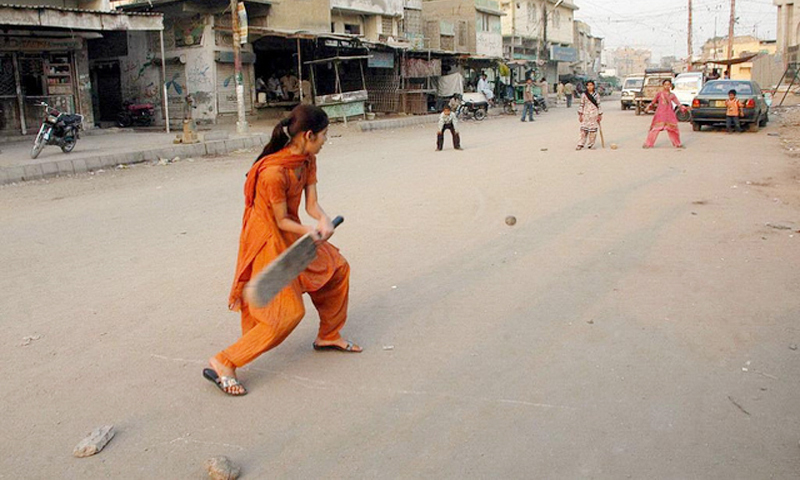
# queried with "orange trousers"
point(265, 328)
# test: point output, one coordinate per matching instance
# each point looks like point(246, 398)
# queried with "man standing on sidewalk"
point(527, 97)
point(569, 91)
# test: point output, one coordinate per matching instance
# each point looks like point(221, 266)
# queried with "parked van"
point(631, 85)
point(687, 86)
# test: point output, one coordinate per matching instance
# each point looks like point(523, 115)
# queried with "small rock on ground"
point(221, 468)
point(94, 442)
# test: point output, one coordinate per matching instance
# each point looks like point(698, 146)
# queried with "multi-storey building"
point(471, 26)
point(629, 61)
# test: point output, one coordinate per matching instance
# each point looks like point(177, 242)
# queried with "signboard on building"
point(381, 60)
point(563, 54)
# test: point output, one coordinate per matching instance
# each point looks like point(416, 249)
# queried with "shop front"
point(36, 70)
point(44, 58)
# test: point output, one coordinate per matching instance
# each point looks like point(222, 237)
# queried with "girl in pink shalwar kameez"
point(665, 118)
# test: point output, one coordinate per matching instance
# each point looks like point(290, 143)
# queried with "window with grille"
point(386, 25)
point(31, 72)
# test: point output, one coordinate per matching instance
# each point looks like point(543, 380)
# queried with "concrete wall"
point(461, 13)
point(312, 15)
point(391, 8)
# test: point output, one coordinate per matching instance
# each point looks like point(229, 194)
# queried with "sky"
point(660, 25)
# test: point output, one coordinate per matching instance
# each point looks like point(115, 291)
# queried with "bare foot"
point(226, 371)
point(342, 344)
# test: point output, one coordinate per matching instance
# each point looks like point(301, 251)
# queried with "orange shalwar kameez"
point(278, 178)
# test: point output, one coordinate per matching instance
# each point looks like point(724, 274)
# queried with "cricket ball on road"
point(614, 146)
point(511, 220)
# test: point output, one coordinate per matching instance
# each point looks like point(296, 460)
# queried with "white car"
point(631, 85)
point(687, 86)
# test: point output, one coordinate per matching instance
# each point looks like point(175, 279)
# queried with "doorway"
point(108, 90)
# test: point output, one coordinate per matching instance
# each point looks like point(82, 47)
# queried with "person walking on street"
point(665, 118)
point(559, 92)
point(527, 98)
point(590, 115)
point(285, 171)
point(545, 90)
point(733, 110)
point(448, 121)
point(569, 91)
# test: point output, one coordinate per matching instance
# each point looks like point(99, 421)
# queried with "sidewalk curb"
point(69, 166)
point(371, 125)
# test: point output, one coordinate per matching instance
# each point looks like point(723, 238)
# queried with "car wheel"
point(753, 127)
point(638, 108)
point(683, 115)
point(697, 126)
point(480, 114)
point(764, 120)
point(622, 106)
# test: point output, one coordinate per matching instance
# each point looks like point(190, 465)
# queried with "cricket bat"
point(602, 139)
point(289, 264)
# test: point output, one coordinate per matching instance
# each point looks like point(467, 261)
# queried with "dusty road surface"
point(639, 321)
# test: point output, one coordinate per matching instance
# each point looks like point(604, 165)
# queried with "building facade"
point(788, 29)
point(374, 20)
point(629, 61)
point(475, 25)
point(44, 57)
point(590, 51)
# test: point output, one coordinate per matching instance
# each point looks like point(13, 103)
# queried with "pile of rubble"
point(788, 121)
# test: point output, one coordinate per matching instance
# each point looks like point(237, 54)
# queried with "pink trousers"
point(674, 136)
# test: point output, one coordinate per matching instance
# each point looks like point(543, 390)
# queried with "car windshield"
point(722, 88)
point(687, 83)
point(633, 83)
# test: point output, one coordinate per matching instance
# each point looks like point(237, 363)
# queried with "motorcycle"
point(140, 114)
point(473, 105)
point(60, 129)
point(539, 105)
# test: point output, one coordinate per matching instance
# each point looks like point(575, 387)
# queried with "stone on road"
point(94, 442)
point(221, 468)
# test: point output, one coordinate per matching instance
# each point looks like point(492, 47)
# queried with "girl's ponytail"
point(279, 139)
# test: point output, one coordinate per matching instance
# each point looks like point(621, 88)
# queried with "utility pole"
point(730, 31)
point(241, 124)
point(689, 41)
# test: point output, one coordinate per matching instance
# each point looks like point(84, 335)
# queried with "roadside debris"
point(511, 220)
point(793, 346)
point(94, 442)
point(388, 347)
point(738, 406)
point(29, 339)
point(778, 226)
point(221, 468)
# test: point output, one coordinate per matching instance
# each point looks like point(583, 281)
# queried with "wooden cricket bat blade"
point(285, 268)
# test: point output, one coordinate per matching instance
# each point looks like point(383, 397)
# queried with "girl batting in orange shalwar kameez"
point(285, 171)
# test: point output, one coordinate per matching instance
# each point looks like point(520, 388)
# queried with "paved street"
point(639, 320)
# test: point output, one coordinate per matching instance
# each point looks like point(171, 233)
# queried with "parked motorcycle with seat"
point(59, 129)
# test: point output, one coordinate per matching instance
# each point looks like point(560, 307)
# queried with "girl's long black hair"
point(303, 118)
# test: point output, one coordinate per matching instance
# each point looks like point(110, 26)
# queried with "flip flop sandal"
point(223, 383)
point(347, 349)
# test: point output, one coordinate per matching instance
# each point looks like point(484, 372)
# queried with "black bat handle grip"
point(337, 221)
